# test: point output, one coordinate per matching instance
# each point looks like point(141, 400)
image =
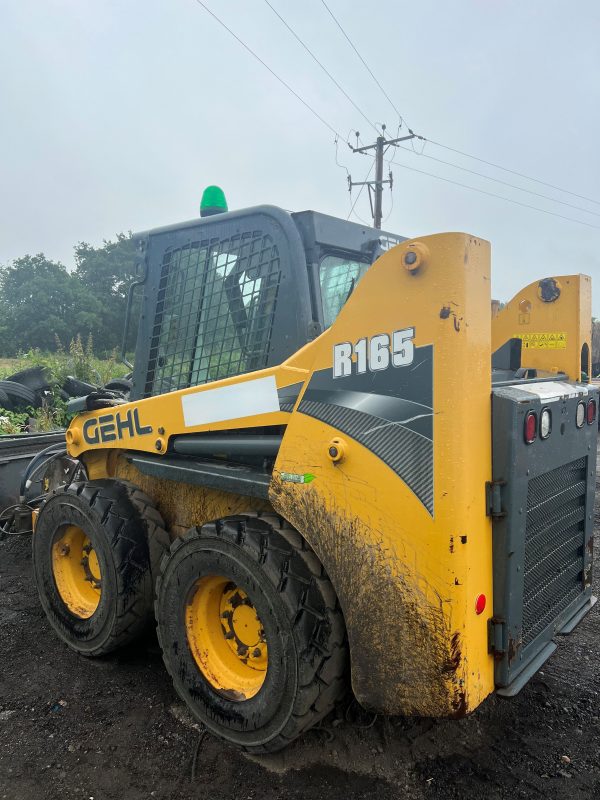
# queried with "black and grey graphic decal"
point(288, 396)
point(390, 412)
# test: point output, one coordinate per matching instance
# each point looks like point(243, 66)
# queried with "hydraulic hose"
point(52, 452)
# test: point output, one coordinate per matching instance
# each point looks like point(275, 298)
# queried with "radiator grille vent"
point(554, 545)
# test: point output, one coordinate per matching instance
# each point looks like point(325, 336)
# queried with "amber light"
point(591, 411)
point(530, 428)
point(480, 604)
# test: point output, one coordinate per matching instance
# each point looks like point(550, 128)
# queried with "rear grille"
point(554, 545)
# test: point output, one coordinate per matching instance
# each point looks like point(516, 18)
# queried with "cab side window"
point(338, 276)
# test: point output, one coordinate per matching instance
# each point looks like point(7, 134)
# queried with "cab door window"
point(338, 276)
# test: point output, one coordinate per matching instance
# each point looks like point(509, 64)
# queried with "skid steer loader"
point(321, 481)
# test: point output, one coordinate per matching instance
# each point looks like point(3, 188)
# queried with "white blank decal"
point(245, 399)
point(553, 390)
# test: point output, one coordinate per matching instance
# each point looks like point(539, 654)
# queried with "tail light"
point(580, 414)
point(530, 427)
point(545, 423)
point(591, 411)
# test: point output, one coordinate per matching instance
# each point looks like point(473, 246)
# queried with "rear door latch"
point(493, 499)
point(497, 637)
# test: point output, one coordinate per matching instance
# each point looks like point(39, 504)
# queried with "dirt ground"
point(113, 729)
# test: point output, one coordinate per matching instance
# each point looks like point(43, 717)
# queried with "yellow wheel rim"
point(76, 571)
point(226, 638)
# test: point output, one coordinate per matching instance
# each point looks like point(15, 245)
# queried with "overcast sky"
point(116, 113)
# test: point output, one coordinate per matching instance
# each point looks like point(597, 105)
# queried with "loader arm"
point(553, 319)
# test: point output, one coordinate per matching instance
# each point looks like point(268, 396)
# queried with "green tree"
point(107, 272)
point(41, 300)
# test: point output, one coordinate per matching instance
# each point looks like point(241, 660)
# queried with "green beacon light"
point(213, 201)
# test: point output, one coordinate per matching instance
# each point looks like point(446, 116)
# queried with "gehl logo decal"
point(110, 427)
point(377, 353)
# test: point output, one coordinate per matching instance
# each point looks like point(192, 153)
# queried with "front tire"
point(95, 548)
point(251, 631)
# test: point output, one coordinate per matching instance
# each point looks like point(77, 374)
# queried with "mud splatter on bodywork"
point(405, 658)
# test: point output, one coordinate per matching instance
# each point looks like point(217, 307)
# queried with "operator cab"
point(240, 291)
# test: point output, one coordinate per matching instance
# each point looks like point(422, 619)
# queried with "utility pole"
point(378, 211)
point(375, 187)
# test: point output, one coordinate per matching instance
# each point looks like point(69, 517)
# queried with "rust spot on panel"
point(446, 312)
point(455, 655)
point(513, 648)
point(463, 539)
point(452, 544)
point(459, 705)
point(404, 657)
point(590, 545)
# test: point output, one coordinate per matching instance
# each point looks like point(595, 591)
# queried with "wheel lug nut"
point(64, 550)
point(257, 653)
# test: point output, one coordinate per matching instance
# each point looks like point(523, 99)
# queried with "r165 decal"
point(376, 353)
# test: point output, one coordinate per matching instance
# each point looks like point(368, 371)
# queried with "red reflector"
point(530, 426)
point(480, 604)
point(591, 411)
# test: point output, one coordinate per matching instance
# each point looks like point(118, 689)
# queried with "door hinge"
point(497, 636)
point(493, 499)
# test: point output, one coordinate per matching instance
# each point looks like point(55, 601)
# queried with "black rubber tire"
point(34, 378)
point(128, 536)
point(5, 401)
point(119, 385)
point(18, 392)
point(76, 388)
point(298, 608)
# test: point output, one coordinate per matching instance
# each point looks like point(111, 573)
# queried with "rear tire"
point(107, 603)
point(272, 568)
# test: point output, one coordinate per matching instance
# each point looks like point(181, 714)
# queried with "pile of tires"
point(25, 389)
point(30, 387)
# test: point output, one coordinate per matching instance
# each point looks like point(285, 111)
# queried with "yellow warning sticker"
point(543, 341)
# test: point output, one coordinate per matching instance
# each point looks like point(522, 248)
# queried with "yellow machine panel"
point(553, 319)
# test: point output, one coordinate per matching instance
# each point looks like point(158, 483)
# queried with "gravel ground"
point(113, 729)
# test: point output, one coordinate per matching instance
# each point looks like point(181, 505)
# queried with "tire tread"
point(298, 576)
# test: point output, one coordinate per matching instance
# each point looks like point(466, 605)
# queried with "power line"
point(266, 66)
point(438, 144)
point(492, 194)
point(497, 180)
point(461, 152)
point(513, 172)
point(368, 68)
point(325, 70)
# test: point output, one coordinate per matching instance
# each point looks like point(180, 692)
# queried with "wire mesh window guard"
point(214, 312)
